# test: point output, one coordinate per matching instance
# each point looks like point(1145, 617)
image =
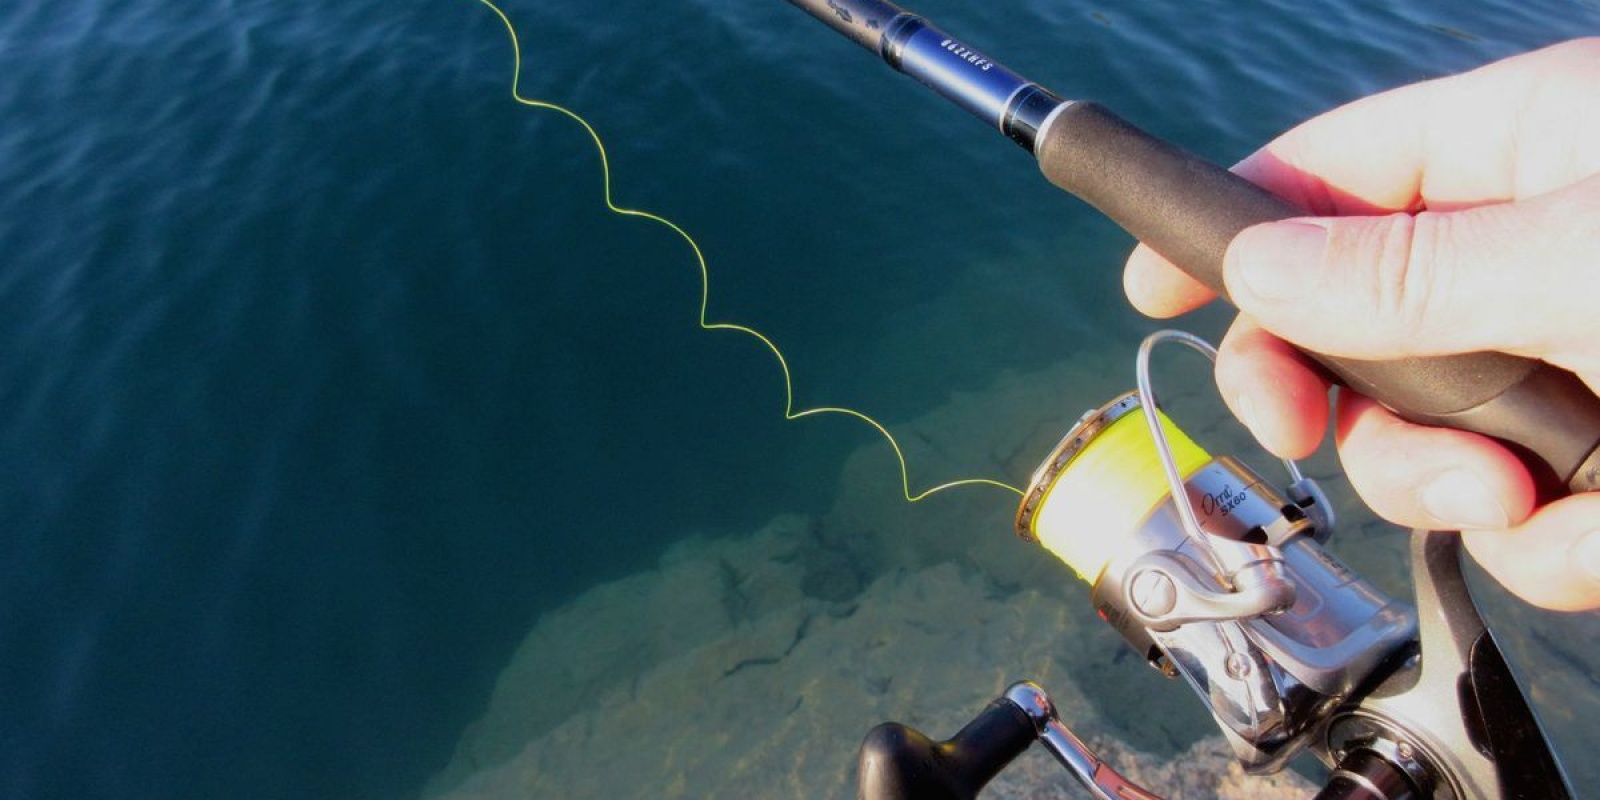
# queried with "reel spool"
point(1104, 476)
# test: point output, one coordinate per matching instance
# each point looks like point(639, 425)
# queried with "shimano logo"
point(967, 54)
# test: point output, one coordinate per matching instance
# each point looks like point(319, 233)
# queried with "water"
point(323, 371)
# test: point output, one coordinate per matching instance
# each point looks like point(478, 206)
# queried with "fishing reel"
point(1216, 576)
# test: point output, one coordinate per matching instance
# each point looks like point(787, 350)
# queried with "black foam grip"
point(1189, 210)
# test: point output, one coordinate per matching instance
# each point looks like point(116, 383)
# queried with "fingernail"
point(1587, 553)
point(1269, 260)
point(1458, 499)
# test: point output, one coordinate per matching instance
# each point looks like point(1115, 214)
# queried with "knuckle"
point(1583, 47)
point(1403, 282)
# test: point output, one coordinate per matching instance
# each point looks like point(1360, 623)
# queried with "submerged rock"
point(776, 708)
point(752, 667)
point(604, 640)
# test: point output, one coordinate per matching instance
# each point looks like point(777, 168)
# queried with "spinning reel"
point(1212, 574)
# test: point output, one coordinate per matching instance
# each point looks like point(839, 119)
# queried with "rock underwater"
point(752, 666)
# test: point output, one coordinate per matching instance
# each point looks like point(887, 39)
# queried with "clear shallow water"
point(322, 370)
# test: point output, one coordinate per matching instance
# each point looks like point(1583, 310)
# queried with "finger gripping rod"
point(1188, 210)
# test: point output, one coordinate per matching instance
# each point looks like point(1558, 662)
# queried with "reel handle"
point(897, 762)
point(901, 763)
point(1189, 210)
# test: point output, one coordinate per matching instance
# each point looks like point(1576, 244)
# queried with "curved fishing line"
point(705, 284)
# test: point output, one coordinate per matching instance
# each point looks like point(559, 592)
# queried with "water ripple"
point(313, 355)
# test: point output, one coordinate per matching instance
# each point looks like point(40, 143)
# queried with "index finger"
point(1516, 128)
point(1513, 129)
point(1157, 288)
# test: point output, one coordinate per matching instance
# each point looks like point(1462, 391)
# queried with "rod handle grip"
point(1189, 210)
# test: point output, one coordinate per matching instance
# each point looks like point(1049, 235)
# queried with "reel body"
point(1211, 573)
point(1269, 628)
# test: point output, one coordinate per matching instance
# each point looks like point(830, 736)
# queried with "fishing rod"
point(1189, 210)
point(1206, 569)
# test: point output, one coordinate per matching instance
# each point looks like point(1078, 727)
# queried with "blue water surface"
point(323, 369)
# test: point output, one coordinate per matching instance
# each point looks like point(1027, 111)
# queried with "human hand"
point(1456, 215)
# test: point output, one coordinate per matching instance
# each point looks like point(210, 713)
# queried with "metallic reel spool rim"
point(1086, 430)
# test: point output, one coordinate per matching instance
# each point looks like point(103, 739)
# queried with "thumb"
point(1513, 276)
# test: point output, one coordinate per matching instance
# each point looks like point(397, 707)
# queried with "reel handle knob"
point(897, 762)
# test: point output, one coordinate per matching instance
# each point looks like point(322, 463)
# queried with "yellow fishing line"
point(705, 283)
